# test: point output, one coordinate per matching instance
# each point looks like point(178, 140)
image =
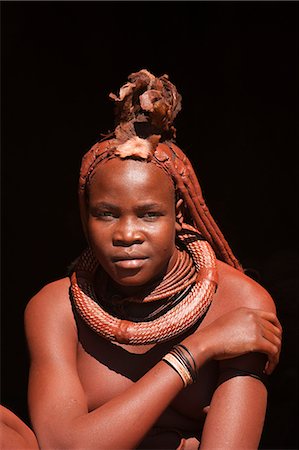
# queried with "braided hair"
point(144, 113)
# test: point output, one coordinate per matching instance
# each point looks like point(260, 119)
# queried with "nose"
point(127, 232)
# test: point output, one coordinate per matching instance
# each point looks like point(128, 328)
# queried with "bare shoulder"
point(49, 316)
point(235, 290)
point(52, 296)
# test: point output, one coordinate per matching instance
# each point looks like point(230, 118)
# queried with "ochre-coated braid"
point(174, 322)
point(187, 183)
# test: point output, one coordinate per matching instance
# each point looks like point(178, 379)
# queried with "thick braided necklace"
point(199, 280)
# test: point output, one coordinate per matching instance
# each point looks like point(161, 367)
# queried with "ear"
point(179, 215)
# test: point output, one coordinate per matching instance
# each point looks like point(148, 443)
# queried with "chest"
point(106, 370)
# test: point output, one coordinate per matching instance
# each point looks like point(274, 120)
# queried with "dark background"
point(235, 65)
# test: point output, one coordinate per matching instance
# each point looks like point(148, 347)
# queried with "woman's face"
point(132, 221)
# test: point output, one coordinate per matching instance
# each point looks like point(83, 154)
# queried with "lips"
point(129, 261)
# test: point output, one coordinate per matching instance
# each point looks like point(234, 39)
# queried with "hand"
point(241, 331)
point(189, 444)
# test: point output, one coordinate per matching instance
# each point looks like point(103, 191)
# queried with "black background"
point(234, 64)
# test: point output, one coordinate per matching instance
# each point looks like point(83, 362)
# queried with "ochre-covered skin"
point(87, 392)
point(173, 161)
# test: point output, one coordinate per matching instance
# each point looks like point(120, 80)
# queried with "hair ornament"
point(146, 106)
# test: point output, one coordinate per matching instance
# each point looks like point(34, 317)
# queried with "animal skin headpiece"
point(145, 110)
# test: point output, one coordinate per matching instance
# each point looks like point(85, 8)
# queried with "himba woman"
point(157, 339)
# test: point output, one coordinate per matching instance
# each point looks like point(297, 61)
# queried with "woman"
point(157, 339)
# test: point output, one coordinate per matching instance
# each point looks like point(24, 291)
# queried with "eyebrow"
point(104, 205)
point(108, 205)
point(149, 205)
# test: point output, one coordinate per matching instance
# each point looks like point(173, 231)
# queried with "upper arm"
point(236, 415)
point(240, 399)
point(242, 291)
point(237, 289)
point(55, 392)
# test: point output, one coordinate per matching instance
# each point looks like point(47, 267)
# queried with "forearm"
point(125, 420)
point(135, 411)
point(62, 420)
point(120, 423)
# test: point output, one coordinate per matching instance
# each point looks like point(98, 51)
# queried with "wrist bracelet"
point(173, 362)
point(178, 359)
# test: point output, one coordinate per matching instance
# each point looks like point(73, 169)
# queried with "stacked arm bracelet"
point(182, 361)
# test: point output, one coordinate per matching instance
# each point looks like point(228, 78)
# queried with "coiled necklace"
point(187, 289)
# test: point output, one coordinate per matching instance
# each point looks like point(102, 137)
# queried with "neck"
point(138, 292)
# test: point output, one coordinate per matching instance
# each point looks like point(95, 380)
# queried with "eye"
point(107, 215)
point(104, 215)
point(152, 215)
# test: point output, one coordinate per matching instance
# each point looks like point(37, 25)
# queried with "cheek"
point(91, 230)
point(97, 235)
point(165, 238)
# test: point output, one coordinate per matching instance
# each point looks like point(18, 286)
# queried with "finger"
point(271, 328)
point(271, 317)
point(271, 364)
point(273, 353)
point(272, 339)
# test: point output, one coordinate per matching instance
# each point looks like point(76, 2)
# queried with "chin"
point(130, 281)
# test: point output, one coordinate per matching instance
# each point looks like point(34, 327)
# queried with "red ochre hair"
point(144, 112)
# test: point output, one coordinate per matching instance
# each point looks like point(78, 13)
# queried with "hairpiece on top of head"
point(146, 107)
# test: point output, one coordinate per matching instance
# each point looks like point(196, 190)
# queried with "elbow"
point(58, 439)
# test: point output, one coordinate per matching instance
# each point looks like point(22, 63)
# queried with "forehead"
point(129, 177)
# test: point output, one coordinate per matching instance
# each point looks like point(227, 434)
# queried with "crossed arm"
point(58, 403)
